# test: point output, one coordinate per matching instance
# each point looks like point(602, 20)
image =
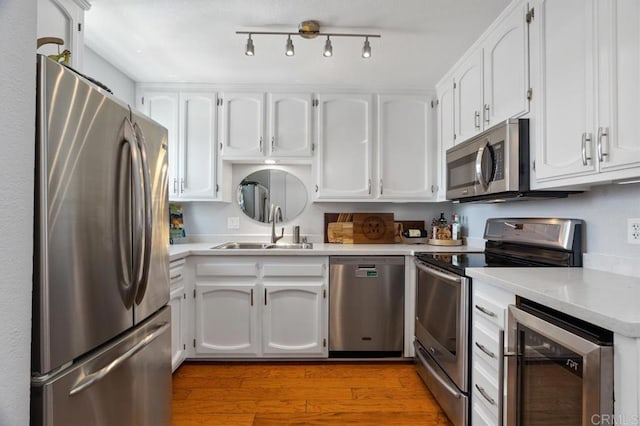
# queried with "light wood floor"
point(330, 393)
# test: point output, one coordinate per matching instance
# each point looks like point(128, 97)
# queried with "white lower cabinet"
point(261, 307)
point(489, 307)
point(178, 303)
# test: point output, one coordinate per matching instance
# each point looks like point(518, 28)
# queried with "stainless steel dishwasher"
point(366, 306)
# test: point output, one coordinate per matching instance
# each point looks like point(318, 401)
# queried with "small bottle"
point(455, 227)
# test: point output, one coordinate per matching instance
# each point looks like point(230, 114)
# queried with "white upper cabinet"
point(585, 64)
point(345, 146)
point(245, 136)
point(164, 107)
point(506, 68)
point(562, 60)
point(290, 121)
point(617, 141)
point(242, 125)
point(468, 97)
point(404, 152)
point(190, 119)
point(445, 131)
point(197, 155)
point(491, 81)
point(63, 19)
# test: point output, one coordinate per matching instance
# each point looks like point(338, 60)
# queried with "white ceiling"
point(195, 40)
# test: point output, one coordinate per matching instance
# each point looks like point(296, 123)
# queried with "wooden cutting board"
point(373, 228)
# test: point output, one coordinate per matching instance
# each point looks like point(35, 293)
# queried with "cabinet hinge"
point(324, 342)
point(142, 100)
point(324, 293)
point(530, 15)
point(315, 103)
point(79, 26)
point(194, 343)
point(219, 102)
point(184, 347)
point(455, 85)
point(434, 103)
point(194, 293)
point(313, 147)
point(454, 136)
point(217, 188)
point(534, 165)
point(184, 295)
point(530, 93)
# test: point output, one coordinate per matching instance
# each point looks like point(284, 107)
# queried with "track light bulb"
point(290, 50)
point(328, 48)
point(249, 49)
point(366, 49)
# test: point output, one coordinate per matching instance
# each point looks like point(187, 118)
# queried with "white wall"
point(605, 210)
point(123, 87)
point(17, 118)
point(208, 221)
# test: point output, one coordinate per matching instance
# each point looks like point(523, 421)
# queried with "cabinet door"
point(468, 97)
point(506, 69)
point(63, 19)
point(445, 131)
point(178, 325)
point(242, 125)
point(405, 157)
point(197, 154)
point(290, 125)
point(343, 163)
point(619, 85)
point(293, 316)
point(163, 107)
point(227, 319)
point(562, 64)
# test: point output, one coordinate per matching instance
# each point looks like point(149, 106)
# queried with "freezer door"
point(127, 383)
point(153, 292)
point(83, 269)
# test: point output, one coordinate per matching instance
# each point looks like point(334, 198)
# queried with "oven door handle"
point(434, 373)
point(449, 277)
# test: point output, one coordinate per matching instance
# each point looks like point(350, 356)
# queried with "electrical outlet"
point(233, 222)
point(633, 231)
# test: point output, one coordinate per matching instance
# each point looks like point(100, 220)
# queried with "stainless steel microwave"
point(493, 166)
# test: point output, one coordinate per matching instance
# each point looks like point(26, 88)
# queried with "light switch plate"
point(233, 222)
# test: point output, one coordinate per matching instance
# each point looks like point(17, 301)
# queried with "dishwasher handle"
point(434, 272)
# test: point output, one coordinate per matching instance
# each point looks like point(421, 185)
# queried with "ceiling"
point(195, 40)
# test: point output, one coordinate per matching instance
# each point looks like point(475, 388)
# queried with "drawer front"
point(486, 388)
point(176, 270)
point(487, 343)
point(480, 416)
point(488, 309)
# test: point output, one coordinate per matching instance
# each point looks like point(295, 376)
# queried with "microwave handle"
point(480, 155)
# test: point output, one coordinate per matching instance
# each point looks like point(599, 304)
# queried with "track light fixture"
point(309, 30)
point(249, 49)
point(290, 51)
point(328, 49)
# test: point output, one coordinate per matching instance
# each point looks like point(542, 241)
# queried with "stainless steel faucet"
point(275, 214)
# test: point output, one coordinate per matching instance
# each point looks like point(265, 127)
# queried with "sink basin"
point(259, 246)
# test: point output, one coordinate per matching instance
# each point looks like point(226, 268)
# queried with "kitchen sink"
point(259, 246)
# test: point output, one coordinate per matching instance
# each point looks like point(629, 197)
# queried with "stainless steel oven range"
point(443, 297)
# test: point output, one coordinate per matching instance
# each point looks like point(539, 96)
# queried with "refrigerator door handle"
point(148, 215)
point(96, 376)
point(128, 159)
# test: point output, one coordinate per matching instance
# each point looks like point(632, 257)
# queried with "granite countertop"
point(602, 298)
point(178, 251)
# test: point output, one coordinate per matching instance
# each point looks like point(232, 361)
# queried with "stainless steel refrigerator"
point(101, 337)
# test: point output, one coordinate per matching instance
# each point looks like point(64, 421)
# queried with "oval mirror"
point(258, 191)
